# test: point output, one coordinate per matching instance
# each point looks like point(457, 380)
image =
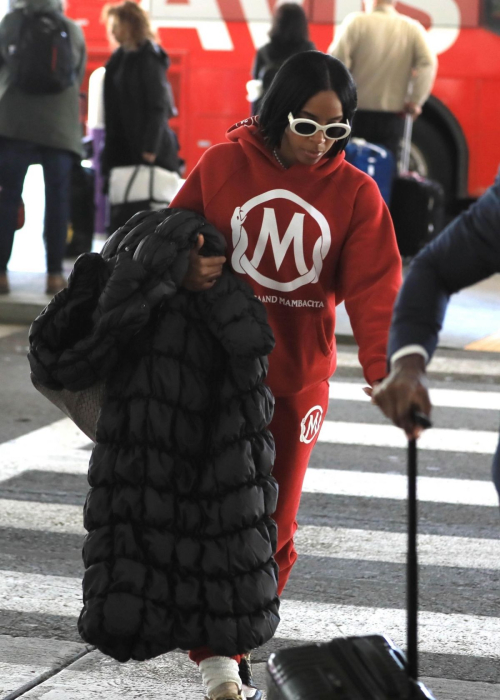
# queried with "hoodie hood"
point(39, 5)
point(247, 133)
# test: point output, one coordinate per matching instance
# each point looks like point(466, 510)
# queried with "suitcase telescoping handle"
point(412, 562)
point(404, 158)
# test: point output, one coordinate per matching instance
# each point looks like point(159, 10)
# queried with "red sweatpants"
point(295, 427)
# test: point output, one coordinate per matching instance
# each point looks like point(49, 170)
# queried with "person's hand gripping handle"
point(403, 395)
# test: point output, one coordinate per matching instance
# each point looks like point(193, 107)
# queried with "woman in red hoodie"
point(306, 230)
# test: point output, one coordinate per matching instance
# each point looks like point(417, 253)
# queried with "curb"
point(21, 312)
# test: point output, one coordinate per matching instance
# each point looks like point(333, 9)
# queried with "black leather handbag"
point(358, 668)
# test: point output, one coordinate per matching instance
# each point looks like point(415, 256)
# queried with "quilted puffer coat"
point(180, 543)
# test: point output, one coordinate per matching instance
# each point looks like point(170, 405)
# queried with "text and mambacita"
point(298, 303)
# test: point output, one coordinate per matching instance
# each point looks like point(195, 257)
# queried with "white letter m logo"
point(285, 282)
point(294, 232)
point(311, 424)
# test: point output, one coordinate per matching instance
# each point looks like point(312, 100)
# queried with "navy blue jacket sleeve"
point(466, 252)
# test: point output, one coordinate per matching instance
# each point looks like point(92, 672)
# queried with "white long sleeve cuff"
point(409, 350)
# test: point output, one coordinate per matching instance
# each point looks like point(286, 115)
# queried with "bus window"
point(491, 15)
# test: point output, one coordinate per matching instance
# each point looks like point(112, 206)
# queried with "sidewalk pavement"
point(472, 321)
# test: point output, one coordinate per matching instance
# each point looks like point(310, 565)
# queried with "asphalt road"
point(350, 576)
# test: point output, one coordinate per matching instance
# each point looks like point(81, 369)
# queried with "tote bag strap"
point(404, 160)
point(130, 183)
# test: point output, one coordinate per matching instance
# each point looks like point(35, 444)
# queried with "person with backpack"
point(42, 63)
point(289, 34)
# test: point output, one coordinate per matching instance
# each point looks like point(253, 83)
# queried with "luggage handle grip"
point(421, 419)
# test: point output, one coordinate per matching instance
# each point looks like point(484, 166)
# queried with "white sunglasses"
point(308, 127)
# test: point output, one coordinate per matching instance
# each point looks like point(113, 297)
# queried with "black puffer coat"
point(179, 551)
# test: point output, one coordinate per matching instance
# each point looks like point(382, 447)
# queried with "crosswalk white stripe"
point(446, 398)
point(438, 632)
point(59, 436)
point(337, 482)
point(55, 447)
point(390, 547)
point(440, 439)
point(75, 461)
point(441, 365)
point(394, 486)
point(45, 517)
point(36, 593)
point(341, 543)
point(60, 446)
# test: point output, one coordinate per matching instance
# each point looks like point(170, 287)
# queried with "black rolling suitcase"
point(417, 203)
point(358, 668)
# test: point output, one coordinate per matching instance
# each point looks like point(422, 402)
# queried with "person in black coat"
point(137, 99)
point(288, 35)
point(466, 252)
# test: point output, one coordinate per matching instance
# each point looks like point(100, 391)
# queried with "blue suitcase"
point(374, 160)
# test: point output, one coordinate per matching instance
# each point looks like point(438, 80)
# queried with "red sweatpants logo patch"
point(311, 423)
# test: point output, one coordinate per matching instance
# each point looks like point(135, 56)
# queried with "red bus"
point(212, 44)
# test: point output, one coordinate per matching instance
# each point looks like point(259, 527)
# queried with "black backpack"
point(42, 61)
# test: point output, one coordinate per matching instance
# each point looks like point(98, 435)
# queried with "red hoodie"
point(305, 239)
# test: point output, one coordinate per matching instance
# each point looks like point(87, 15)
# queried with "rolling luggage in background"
point(417, 204)
point(375, 160)
point(358, 668)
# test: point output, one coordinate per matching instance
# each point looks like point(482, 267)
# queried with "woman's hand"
point(202, 272)
point(403, 392)
point(149, 157)
point(369, 389)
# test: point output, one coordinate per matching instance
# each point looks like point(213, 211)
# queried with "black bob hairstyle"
point(299, 79)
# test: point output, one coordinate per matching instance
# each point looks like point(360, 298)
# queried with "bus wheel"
point(432, 156)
